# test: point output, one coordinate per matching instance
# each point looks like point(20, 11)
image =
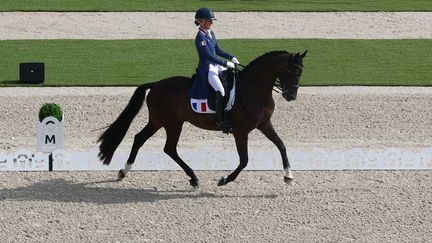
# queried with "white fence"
point(208, 158)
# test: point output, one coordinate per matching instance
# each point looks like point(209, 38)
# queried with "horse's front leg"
point(270, 133)
point(241, 140)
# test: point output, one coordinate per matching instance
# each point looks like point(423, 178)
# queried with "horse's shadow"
point(61, 190)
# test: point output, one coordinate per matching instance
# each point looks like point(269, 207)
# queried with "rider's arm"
point(204, 51)
point(219, 51)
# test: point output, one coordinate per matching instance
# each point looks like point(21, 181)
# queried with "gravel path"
point(363, 206)
point(327, 117)
point(351, 25)
point(160, 207)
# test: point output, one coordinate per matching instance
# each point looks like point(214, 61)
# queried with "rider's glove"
point(235, 61)
point(230, 65)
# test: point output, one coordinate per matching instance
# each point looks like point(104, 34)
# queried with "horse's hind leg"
point(173, 135)
point(139, 140)
point(242, 149)
point(268, 130)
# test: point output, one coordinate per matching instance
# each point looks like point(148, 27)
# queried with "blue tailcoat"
point(208, 50)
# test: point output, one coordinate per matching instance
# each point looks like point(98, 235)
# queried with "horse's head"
point(289, 76)
point(282, 68)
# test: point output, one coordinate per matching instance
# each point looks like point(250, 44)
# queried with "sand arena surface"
point(130, 25)
point(318, 206)
point(152, 206)
point(364, 206)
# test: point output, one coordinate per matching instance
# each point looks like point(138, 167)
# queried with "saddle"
point(227, 79)
point(207, 105)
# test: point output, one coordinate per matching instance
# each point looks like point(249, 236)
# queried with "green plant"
point(51, 109)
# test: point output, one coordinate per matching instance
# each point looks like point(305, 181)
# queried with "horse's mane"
point(263, 58)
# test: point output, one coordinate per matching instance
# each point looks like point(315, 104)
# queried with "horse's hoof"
point(222, 181)
point(193, 183)
point(121, 175)
point(288, 180)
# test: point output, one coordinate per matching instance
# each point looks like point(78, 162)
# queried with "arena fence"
point(209, 158)
point(52, 156)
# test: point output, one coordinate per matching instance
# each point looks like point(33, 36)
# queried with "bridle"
point(279, 87)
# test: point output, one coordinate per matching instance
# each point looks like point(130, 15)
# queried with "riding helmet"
point(204, 13)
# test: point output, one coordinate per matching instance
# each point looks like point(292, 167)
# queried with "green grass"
point(133, 62)
point(216, 5)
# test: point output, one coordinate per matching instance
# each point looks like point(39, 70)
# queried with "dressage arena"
point(360, 206)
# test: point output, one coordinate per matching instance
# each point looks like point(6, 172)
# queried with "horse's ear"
point(296, 57)
point(304, 54)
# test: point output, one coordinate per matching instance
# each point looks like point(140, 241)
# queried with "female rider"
point(209, 65)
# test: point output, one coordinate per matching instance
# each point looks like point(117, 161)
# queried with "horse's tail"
point(115, 133)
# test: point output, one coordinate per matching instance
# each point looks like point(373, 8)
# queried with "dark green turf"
point(216, 5)
point(133, 62)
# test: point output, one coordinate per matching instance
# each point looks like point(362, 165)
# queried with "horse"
point(169, 107)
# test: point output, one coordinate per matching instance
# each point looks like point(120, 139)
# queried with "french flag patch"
point(200, 106)
point(203, 43)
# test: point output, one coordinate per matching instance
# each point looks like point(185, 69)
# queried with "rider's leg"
point(219, 109)
point(213, 78)
point(221, 119)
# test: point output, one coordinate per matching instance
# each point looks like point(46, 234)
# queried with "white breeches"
point(213, 78)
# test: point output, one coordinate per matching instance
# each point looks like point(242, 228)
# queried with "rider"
point(209, 65)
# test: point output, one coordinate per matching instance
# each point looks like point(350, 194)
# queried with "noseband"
point(298, 66)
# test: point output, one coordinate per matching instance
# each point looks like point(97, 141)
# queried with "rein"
point(278, 87)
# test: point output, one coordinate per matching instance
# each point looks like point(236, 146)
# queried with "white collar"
point(206, 32)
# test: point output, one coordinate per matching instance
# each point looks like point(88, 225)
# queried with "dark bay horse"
point(169, 107)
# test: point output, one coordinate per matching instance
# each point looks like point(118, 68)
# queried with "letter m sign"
point(50, 139)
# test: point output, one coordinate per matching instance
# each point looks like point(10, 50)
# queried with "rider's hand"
point(235, 61)
point(230, 65)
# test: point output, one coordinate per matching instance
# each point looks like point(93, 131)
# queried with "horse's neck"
point(264, 70)
point(255, 89)
point(259, 79)
point(262, 79)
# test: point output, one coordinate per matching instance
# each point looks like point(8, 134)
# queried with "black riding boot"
point(221, 118)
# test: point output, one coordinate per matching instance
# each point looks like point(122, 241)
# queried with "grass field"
point(216, 5)
point(133, 62)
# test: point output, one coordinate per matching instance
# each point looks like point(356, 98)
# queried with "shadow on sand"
point(103, 192)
